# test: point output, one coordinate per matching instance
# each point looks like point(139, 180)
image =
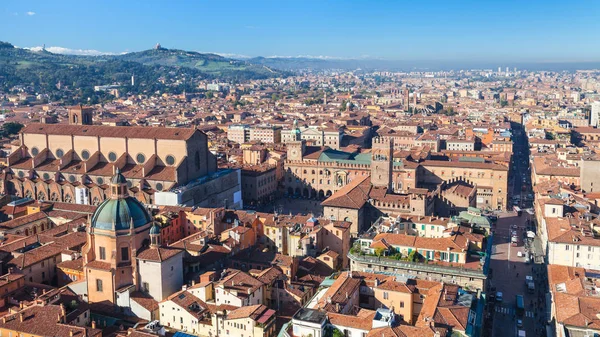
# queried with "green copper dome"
point(155, 230)
point(117, 214)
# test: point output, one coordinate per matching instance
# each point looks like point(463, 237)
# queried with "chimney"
point(63, 312)
point(21, 318)
point(93, 324)
point(71, 333)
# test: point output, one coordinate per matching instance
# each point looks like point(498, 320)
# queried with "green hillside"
point(157, 69)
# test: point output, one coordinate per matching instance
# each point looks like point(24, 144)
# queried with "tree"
point(414, 256)
point(11, 128)
point(343, 107)
point(379, 251)
point(337, 333)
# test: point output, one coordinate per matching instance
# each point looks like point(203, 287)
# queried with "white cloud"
point(227, 55)
point(30, 13)
point(69, 51)
point(318, 57)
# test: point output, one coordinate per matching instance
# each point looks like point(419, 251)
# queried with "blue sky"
point(523, 30)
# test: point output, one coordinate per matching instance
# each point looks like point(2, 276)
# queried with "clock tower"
point(295, 150)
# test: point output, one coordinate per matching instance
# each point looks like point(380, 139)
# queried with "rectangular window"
point(385, 295)
point(102, 253)
point(99, 285)
point(566, 247)
point(125, 253)
point(402, 304)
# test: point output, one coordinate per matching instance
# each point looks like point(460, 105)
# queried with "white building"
point(595, 114)
point(239, 289)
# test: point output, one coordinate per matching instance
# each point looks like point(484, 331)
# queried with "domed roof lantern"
point(118, 185)
point(155, 239)
point(121, 211)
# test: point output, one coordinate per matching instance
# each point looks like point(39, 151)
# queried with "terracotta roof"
point(111, 131)
point(35, 255)
point(145, 300)
point(43, 321)
point(363, 320)
point(354, 195)
point(190, 303)
point(253, 312)
point(99, 265)
point(341, 290)
point(158, 254)
point(24, 220)
point(76, 264)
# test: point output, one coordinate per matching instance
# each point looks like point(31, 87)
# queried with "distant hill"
point(44, 69)
point(211, 64)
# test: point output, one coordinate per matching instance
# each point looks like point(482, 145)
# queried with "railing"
point(416, 266)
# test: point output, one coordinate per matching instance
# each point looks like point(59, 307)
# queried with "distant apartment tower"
point(595, 114)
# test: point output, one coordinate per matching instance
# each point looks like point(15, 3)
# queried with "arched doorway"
point(290, 191)
point(321, 194)
point(305, 193)
point(297, 192)
point(328, 194)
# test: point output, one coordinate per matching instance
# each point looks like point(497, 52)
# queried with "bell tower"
point(382, 161)
point(80, 115)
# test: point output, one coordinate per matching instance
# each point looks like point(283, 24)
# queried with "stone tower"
point(295, 150)
point(382, 157)
point(80, 115)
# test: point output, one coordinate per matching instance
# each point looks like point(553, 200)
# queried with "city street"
point(512, 263)
point(509, 271)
